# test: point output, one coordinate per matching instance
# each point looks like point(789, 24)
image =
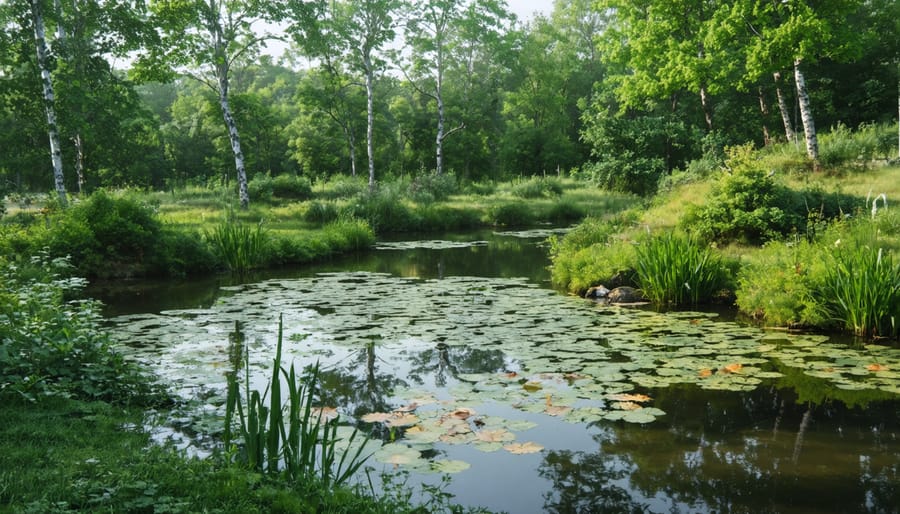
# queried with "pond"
point(459, 356)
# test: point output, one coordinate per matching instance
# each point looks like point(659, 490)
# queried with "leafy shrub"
point(537, 187)
point(675, 269)
point(443, 217)
point(106, 235)
point(347, 234)
point(780, 285)
point(590, 254)
point(510, 214)
point(428, 187)
point(842, 147)
point(287, 187)
point(51, 345)
point(384, 210)
point(564, 212)
point(321, 212)
point(628, 173)
point(342, 186)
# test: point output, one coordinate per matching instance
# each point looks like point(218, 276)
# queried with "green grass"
point(675, 269)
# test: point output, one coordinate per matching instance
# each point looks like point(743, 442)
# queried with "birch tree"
point(206, 39)
point(43, 61)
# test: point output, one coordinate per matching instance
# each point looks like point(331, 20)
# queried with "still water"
point(459, 356)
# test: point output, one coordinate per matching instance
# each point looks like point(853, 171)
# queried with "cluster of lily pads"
point(564, 357)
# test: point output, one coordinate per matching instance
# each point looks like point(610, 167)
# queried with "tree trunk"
point(370, 118)
point(784, 109)
point(351, 142)
point(235, 138)
point(764, 110)
point(809, 126)
point(439, 96)
point(40, 43)
point(707, 113)
point(79, 162)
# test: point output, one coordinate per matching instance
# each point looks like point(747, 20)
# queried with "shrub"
point(537, 187)
point(510, 214)
point(590, 254)
point(780, 285)
point(675, 269)
point(51, 345)
point(321, 212)
point(106, 236)
point(428, 187)
point(347, 234)
point(342, 186)
point(264, 188)
point(564, 212)
point(384, 210)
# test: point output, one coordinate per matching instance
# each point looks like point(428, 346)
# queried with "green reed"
point(862, 291)
point(240, 246)
point(676, 269)
point(293, 438)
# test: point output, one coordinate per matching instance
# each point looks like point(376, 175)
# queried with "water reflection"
point(736, 452)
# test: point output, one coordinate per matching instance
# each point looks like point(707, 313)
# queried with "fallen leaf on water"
point(557, 410)
point(407, 408)
point(876, 367)
point(523, 448)
point(705, 373)
point(733, 368)
point(511, 374)
point(626, 406)
point(626, 397)
point(532, 386)
point(376, 417)
point(326, 413)
point(463, 413)
point(404, 420)
point(495, 436)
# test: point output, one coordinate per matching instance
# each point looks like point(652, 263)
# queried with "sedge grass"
point(240, 247)
point(674, 269)
point(862, 290)
point(293, 438)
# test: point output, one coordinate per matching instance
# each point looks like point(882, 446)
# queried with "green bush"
point(515, 214)
point(264, 188)
point(53, 345)
point(563, 211)
point(106, 236)
point(590, 254)
point(321, 212)
point(537, 187)
point(239, 246)
point(384, 210)
point(673, 269)
point(428, 187)
point(780, 285)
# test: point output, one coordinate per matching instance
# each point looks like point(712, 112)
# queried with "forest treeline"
point(158, 94)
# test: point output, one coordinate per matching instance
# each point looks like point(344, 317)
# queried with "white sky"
point(525, 9)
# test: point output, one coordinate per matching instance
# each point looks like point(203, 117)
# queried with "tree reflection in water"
point(731, 452)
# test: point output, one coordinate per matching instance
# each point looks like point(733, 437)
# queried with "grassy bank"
point(199, 230)
point(791, 248)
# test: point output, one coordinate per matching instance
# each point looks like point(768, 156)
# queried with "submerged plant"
point(676, 269)
point(293, 438)
point(241, 247)
point(862, 290)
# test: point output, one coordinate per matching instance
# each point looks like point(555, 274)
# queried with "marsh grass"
point(241, 247)
point(291, 438)
point(862, 291)
point(674, 269)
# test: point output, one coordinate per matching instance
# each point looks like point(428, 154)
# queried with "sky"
point(525, 9)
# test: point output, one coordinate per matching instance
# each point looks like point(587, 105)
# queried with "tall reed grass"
point(292, 437)
point(241, 247)
point(862, 291)
point(675, 269)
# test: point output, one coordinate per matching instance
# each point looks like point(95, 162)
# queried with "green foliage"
point(564, 211)
point(428, 187)
point(862, 290)
point(321, 212)
point(291, 438)
point(240, 246)
point(591, 254)
point(780, 285)
point(384, 209)
point(844, 148)
point(283, 187)
point(673, 269)
point(105, 235)
point(511, 214)
point(537, 187)
point(52, 345)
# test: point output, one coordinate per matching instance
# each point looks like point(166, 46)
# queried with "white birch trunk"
point(438, 90)
point(79, 162)
point(40, 43)
point(809, 126)
point(235, 138)
point(784, 109)
point(370, 118)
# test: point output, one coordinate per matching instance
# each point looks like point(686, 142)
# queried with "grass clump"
point(537, 187)
point(265, 188)
point(674, 269)
point(510, 214)
point(594, 253)
point(862, 289)
point(241, 247)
